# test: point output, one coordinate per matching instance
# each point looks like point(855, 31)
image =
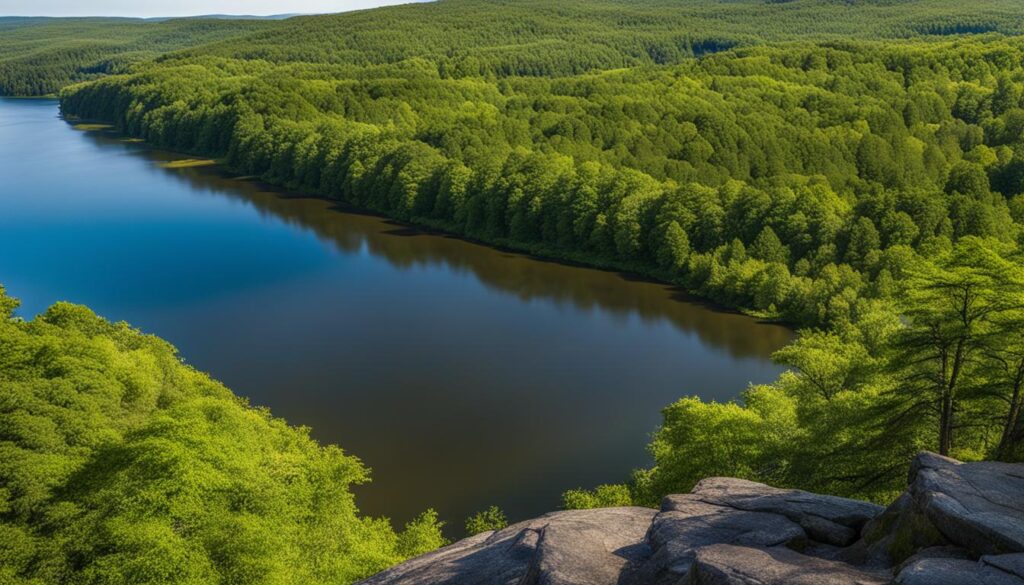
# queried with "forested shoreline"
point(807, 182)
point(781, 165)
point(853, 168)
point(801, 181)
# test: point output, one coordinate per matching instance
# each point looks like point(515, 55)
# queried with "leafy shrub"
point(490, 519)
point(119, 464)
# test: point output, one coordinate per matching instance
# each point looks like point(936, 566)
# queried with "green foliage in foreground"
point(119, 464)
point(603, 496)
point(861, 399)
point(490, 519)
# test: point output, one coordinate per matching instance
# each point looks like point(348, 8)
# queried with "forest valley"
point(853, 168)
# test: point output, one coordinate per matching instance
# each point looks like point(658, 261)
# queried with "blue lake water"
point(464, 376)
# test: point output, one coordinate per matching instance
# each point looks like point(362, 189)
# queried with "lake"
point(464, 376)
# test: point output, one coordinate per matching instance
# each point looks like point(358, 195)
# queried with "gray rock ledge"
point(956, 524)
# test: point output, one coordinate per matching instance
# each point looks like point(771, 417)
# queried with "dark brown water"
point(463, 375)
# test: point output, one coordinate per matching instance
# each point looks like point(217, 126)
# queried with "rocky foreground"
point(957, 523)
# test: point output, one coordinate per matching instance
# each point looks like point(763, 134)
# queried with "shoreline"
point(538, 253)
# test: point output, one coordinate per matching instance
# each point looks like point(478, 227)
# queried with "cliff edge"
point(956, 524)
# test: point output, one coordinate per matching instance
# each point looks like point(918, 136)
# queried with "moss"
point(186, 163)
point(913, 532)
point(92, 127)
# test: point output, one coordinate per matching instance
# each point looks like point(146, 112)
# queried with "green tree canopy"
point(119, 464)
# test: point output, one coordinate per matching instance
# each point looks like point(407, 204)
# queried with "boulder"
point(936, 552)
point(686, 524)
point(946, 571)
point(829, 519)
point(591, 546)
point(725, 564)
point(979, 506)
point(897, 534)
point(583, 547)
point(1012, 563)
point(957, 523)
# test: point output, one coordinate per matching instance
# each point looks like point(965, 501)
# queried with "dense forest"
point(789, 180)
point(852, 167)
point(38, 56)
point(477, 37)
point(939, 369)
point(119, 464)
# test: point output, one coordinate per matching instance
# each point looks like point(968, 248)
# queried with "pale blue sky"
point(149, 8)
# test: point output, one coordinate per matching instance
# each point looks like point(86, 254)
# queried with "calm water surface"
point(463, 375)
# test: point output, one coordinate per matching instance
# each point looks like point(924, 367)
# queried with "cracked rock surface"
point(957, 523)
point(570, 547)
point(724, 564)
point(980, 506)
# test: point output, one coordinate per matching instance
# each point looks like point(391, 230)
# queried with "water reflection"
point(525, 277)
point(464, 376)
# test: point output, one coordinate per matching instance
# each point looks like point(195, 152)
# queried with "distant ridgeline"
point(38, 56)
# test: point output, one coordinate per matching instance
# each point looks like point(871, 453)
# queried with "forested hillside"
point(855, 167)
point(538, 38)
point(118, 464)
point(790, 180)
point(38, 56)
point(479, 37)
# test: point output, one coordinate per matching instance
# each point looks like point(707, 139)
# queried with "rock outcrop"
point(725, 564)
point(957, 523)
point(980, 506)
point(575, 546)
point(726, 511)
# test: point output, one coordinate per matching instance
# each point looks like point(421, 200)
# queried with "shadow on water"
point(464, 375)
point(523, 276)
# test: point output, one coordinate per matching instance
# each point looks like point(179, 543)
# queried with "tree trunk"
point(1007, 443)
point(1017, 437)
point(946, 425)
point(948, 395)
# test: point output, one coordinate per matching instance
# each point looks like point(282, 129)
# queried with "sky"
point(149, 8)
